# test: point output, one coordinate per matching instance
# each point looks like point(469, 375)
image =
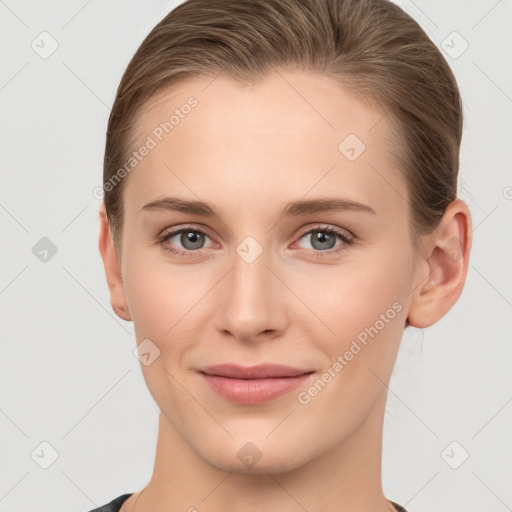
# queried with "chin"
point(259, 457)
point(275, 466)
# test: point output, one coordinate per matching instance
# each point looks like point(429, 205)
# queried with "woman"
point(280, 204)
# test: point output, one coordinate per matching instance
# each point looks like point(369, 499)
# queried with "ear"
point(112, 267)
point(444, 267)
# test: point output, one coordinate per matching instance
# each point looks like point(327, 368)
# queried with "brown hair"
point(372, 47)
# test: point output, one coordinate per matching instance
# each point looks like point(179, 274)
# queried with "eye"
point(191, 239)
point(323, 240)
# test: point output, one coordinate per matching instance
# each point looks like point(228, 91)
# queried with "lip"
point(260, 371)
point(255, 384)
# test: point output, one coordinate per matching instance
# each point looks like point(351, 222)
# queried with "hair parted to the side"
point(372, 47)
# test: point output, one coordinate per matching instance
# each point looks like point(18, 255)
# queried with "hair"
point(372, 47)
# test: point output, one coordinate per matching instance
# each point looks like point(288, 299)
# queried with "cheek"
point(366, 312)
point(165, 300)
point(161, 301)
point(153, 298)
point(359, 297)
point(365, 308)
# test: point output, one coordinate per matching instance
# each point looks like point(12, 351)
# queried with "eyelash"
point(347, 241)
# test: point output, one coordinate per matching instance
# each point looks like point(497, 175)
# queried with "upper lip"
point(262, 371)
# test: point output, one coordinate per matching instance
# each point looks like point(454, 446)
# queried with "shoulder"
point(114, 505)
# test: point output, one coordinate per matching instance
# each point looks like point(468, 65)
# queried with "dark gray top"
point(115, 505)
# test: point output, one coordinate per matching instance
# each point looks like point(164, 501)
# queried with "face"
point(267, 273)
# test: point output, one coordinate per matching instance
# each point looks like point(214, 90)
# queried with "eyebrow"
point(291, 209)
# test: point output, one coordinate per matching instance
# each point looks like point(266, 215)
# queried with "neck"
point(346, 477)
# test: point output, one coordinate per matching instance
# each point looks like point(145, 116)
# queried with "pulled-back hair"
point(372, 47)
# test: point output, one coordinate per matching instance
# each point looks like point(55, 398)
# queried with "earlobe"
point(112, 267)
point(447, 262)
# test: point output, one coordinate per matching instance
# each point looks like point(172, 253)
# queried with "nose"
point(252, 304)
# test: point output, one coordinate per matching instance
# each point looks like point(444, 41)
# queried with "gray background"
point(68, 374)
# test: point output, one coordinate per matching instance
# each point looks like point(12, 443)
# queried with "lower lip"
point(254, 391)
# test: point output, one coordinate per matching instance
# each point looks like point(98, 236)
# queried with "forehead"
point(292, 134)
point(307, 104)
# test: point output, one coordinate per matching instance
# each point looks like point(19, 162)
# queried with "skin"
point(248, 151)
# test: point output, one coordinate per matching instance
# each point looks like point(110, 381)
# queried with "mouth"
point(255, 384)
